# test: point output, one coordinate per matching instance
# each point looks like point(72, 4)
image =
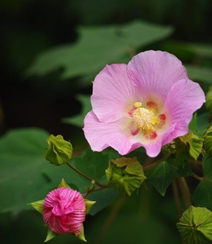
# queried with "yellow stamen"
point(138, 104)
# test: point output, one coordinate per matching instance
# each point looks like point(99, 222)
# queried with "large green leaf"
point(25, 176)
point(162, 174)
point(96, 47)
point(203, 192)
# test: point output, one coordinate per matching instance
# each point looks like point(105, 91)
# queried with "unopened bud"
point(59, 151)
point(195, 225)
point(125, 174)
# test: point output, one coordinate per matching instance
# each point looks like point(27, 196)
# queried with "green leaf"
point(78, 119)
point(97, 47)
point(92, 164)
point(50, 235)
point(203, 192)
point(162, 174)
point(200, 74)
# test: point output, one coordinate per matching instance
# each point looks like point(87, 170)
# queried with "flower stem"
point(156, 162)
point(185, 192)
point(110, 219)
point(197, 177)
point(85, 176)
point(176, 197)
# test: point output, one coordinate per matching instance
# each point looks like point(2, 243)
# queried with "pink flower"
point(146, 103)
point(64, 211)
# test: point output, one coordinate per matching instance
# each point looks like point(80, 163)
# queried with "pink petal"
point(155, 72)
point(113, 93)
point(183, 99)
point(115, 134)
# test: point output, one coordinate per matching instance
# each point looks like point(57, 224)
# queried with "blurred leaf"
point(78, 119)
point(97, 47)
point(200, 74)
point(163, 173)
point(203, 192)
point(25, 176)
point(200, 49)
point(202, 122)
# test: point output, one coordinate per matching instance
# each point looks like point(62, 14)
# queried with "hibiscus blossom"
point(146, 103)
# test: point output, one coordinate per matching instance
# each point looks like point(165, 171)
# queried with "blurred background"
point(39, 91)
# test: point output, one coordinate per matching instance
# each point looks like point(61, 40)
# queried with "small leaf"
point(63, 184)
point(81, 236)
point(50, 235)
point(38, 206)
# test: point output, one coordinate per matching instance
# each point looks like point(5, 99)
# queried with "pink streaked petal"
point(183, 99)
point(115, 134)
point(113, 93)
point(155, 72)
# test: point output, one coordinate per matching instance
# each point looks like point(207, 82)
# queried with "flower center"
point(146, 119)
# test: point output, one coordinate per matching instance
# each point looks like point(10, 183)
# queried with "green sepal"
point(207, 145)
point(50, 235)
point(63, 184)
point(195, 225)
point(38, 205)
point(81, 236)
point(59, 151)
point(89, 204)
point(125, 174)
point(188, 146)
point(208, 103)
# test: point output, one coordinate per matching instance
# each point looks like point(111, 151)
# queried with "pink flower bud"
point(64, 211)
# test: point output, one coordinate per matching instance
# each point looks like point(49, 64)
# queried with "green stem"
point(197, 177)
point(110, 219)
point(176, 197)
point(83, 175)
point(185, 192)
point(156, 162)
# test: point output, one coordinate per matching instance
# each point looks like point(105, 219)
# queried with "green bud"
point(208, 103)
point(188, 146)
point(125, 174)
point(195, 225)
point(59, 151)
point(208, 140)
